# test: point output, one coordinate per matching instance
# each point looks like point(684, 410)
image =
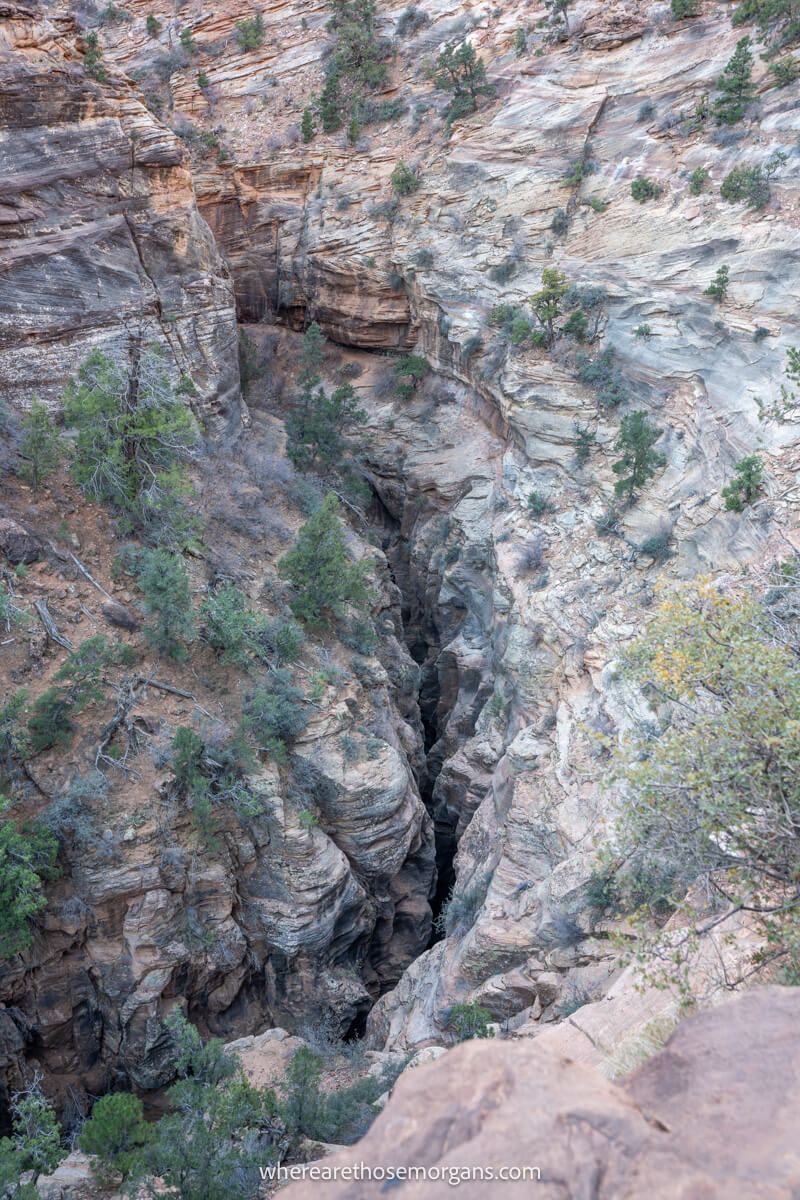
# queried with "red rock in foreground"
point(714, 1114)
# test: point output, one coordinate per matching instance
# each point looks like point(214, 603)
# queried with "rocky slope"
point(710, 1115)
point(100, 231)
point(515, 647)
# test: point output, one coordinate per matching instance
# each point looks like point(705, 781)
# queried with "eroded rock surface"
point(101, 235)
point(712, 1114)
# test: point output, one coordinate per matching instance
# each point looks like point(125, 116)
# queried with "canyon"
point(455, 766)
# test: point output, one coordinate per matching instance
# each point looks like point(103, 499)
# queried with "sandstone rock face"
point(713, 1115)
point(101, 234)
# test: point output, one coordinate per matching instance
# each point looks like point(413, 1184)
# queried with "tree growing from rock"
point(133, 437)
point(746, 484)
point(548, 302)
point(638, 461)
point(319, 424)
point(461, 72)
point(735, 86)
point(115, 1135)
point(326, 582)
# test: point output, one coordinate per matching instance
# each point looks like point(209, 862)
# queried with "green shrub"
point(404, 180)
point(746, 484)
point(785, 72)
point(409, 371)
point(133, 434)
point(698, 180)
point(718, 289)
point(423, 259)
point(548, 303)
point(307, 129)
point(187, 41)
point(520, 331)
point(749, 184)
point(604, 375)
point(469, 1021)
point(341, 1116)
point(152, 25)
point(638, 461)
point(458, 70)
point(538, 504)
point(643, 333)
point(275, 714)
point(250, 32)
point(597, 204)
point(735, 86)
point(412, 20)
point(560, 222)
point(27, 858)
point(585, 438)
point(93, 58)
point(229, 625)
point(683, 9)
point(657, 546)
point(643, 189)
point(167, 601)
point(356, 64)
point(521, 42)
point(115, 1135)
point(40, 449)
point(326, 582)
point(34, 1147)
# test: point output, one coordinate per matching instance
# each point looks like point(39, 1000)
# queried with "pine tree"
point(319, 424)
point(307, 125)
point(168, 602)
point(735, 85)
point(547, 304)
point(638, 461)
point(743, 489)
point(459, 70)
point(326, 582)
point(40, 450)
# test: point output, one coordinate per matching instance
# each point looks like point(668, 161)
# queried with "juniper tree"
point(325, 580)
point(746, 484)
point(307, 125)
point(34, 1147)
point(40, 450)
point(319, 424)
point(735, 85)
point(27, 859)
point(133, 436)
point(115, 1135)
point(712, 782)
point(638, 461)
point(718, 288)
point(167, 601)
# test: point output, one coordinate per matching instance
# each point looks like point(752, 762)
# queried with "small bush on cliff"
point(93, 58)
point(27, 858)
point(275, 714)
point(469, 1021)
point(320, 424)
point(785, 72)
point(683, 9)
point(409, 371)
point(341, 1116)
point(307, 129)
point(404, 180)
point(167, 601)
point(80, 674)
point(458, 70)
point(250, 32)
point(40, 450)
point(643, 189)
point(133, 434)
point(34, 1146)
point(548, 303)
point(746, 484)
point(698, 180)
point(749, 184)
point(229, 625)
point(115, 1135)
point(718, 288)
point(638, 461)
point(152, 25)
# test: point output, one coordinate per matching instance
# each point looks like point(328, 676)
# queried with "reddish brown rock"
point(713, 1115)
